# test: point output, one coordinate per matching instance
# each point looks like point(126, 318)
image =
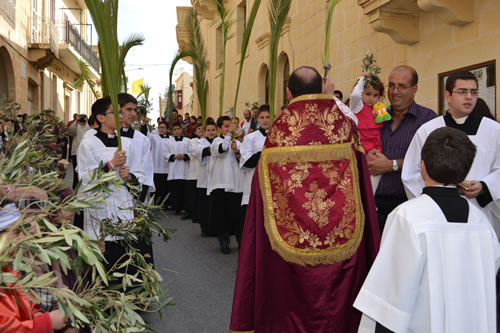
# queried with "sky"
point(156, 20)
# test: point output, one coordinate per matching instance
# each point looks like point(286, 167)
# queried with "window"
point(485, 74)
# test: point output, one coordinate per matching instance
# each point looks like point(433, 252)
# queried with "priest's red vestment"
point(311, 231)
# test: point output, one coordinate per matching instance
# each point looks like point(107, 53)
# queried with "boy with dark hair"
point(482, 185)
point(194, 165)
point(203, 153)
point(177, 153)
point(251, 148)
point(160, 164)
point(102, 147)
point(439, 255)
point(223, 181)
point(142, 165)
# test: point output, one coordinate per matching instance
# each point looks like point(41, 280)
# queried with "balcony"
point(71, 44)
point(59, 42)
point(8, 11)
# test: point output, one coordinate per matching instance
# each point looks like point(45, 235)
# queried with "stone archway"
point(7, 80)
point(282, 79)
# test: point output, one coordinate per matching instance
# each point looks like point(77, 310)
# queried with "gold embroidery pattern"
point(292, 236)
point(318, 208)
point(295, 122)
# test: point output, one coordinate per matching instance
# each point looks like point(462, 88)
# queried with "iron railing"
point(68, 34)
point(8, 11)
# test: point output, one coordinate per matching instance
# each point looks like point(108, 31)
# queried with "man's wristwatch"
point(395, 166)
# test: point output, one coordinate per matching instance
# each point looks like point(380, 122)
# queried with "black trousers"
point(191, 200)
point(226, 214)
point(243, 214)
point(204, 211)
point(75, 174)
point(69, 147)
point(385, 205)
point(161, 185)
point(178, 194)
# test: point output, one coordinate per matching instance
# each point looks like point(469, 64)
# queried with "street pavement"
point(198, 277)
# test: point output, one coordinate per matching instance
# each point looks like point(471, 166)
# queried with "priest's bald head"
point(304, 80)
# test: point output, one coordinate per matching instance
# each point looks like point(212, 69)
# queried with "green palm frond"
point(278, 12)
point(178, 56)
point(329, 18)
point(85, 77)
point(131, 41)
point(226, 21)
point(104, 14)
point(244, 46)
point(198, 53)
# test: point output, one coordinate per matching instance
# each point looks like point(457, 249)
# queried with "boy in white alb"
point(140, 144)
point(160, 164)
point(102, 147)
point(439, 256)
point(194, 165)
point(222, 181)
point(177, 153)
point(203, 153)
point(251, 149)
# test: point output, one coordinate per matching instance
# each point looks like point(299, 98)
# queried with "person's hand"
point(179, 157)
point(328, 86)
point(102, 245)
point(365, 74)
point(234, 146)
point(119, 158)
point(57, 319)
point(124, 172)
point(378, 164)
point(473, 190)
point(27, 192)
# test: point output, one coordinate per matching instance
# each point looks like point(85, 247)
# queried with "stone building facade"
point(435, 37)
point(40, 41)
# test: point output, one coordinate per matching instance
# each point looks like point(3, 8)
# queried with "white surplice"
point(486, 166)
point(223, 167)
point(202, 175)
point(178, 169)
point(91, 153)
point(160, 164)
point(432, 276)
point(195, 158)
point(252, 144)
point(141, 162)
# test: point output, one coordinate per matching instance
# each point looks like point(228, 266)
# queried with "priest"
point(311, 231)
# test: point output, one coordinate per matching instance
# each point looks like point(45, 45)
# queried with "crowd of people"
point(309, 196)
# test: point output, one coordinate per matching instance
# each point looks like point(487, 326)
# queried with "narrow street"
point(198, 277)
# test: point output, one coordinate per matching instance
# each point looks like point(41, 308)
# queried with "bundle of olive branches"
point(39, 237)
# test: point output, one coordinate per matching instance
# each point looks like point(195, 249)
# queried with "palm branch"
point(104, 14)
point(85, 77)
point(329, 17)
point(197, 51)
point(278, 12)
point(226, 21)
point(178, 56)
point(244, 47)
point(131, 41)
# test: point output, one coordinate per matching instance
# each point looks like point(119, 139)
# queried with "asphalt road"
point(198, 277)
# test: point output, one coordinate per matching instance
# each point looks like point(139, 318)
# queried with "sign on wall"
point(485, 74)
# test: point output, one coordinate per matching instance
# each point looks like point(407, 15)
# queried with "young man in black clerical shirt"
point(177, 153)
point(438, 251)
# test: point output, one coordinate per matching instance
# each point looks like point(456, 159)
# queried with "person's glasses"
point(111, 112)
point(400, 87)
point(464, 92)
